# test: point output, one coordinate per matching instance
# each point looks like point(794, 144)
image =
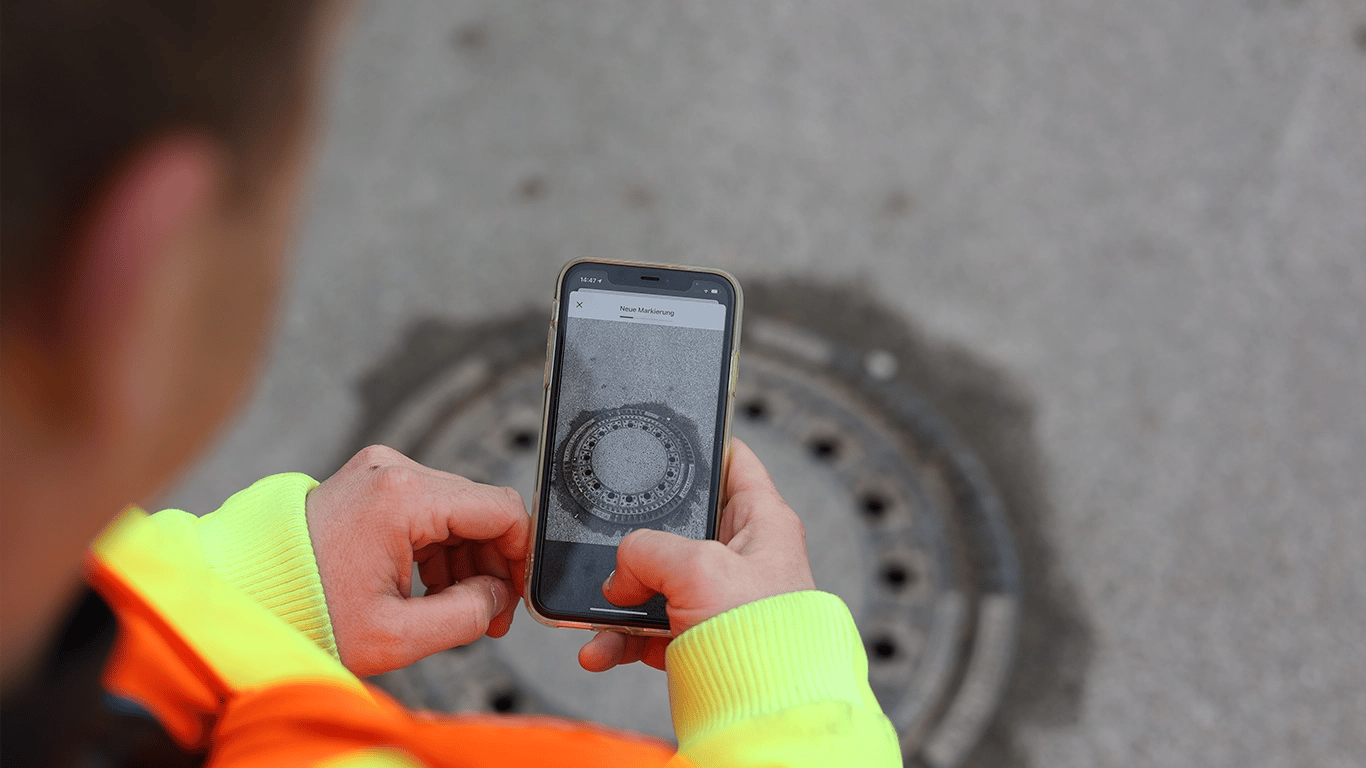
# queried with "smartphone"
point(639, 393)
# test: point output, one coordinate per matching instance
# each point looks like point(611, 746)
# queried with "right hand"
point(761, 553)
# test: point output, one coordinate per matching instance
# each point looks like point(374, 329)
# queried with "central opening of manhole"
point(902, 522)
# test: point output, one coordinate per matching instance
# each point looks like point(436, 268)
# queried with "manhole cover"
point(901, 520)
point(628, 466)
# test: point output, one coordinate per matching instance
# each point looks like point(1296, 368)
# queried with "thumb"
point(457, 615)
point(648, 561)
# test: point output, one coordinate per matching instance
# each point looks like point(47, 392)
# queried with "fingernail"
point(606, 585)
point(500, 596)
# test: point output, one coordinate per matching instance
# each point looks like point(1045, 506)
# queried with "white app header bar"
point(653, 309)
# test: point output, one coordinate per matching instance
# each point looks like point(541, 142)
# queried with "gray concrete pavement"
point(1151, 215)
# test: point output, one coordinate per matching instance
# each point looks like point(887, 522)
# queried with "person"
point(152, 157)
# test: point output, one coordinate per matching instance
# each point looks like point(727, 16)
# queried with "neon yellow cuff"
point(258, 541)
point(765, 657)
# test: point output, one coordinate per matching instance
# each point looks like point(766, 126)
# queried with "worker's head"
point(152, 156)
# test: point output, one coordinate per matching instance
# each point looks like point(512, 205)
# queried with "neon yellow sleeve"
point(778, 682)
point(258, 541)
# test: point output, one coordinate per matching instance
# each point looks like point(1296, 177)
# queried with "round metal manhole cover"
point(902, 521)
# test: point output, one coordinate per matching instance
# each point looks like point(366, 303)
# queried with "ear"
point(133, 265)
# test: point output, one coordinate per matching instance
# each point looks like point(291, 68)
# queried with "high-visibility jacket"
point(224, 639)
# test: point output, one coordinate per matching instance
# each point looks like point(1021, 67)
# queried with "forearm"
point(781, 681)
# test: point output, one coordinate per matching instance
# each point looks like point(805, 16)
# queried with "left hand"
point(382, 512)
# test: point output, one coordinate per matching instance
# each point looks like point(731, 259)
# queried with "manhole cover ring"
point(642, 493)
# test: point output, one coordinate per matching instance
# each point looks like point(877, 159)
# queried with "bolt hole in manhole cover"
point(902, 521)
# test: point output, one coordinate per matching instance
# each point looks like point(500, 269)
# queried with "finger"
point(499, 517)
point(479, 559)
point(448, 568)
point(492, 562)
point(496, 567)
point(610, 649)
point(748, 486)
point(461, 561)
point(501, 623)
point(647, 562)
point(655, 652)
point(756, 517)
point(747, 474)
point(458, 615)
point(515, 539)
point(489, 560)
point(518, 568)
point(440, 505)
point(423, 554)
point(603, 652)
point(613, 649)
point(433, 567)
point(635, 646)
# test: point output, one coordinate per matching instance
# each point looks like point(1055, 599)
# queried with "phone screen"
point(636, 424)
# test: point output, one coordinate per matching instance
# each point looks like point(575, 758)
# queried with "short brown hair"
point(84, 82)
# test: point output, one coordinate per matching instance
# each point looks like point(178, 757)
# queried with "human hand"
point(761, 553)
point(382, 512)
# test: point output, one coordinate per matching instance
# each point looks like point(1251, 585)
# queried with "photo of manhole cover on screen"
point(628, 467)
point(902, 520)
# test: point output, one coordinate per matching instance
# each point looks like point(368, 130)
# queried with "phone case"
point(546, 416)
